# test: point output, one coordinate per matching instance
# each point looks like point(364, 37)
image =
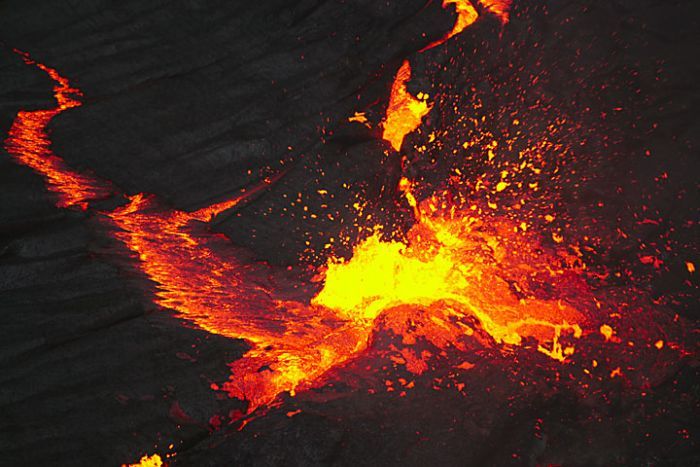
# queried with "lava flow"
point(29, 143)
point(456, 275)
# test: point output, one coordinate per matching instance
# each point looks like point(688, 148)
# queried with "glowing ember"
point(405, 112)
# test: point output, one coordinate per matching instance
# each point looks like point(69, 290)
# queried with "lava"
point(29, 143)
point(456, 274)
point(499, 8)
point(446, 264)
point(466, 15)
point(148, 461)
point(203, 278)
point(405, 112)
point(454, 262)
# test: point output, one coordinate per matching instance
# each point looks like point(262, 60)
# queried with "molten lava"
point(454, 262)
point(28, 142)
point(201, 276)
point(405, 112)
point(466, 15)
point(148, 461)
point(499, 8)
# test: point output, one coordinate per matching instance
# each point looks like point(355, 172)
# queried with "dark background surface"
point(193, 100)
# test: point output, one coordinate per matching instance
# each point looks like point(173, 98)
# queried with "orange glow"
point(453, 267)
point(405, 112)
point(29, 143)
point(499, 8)
point(606, 331)
point(444, 266)
point(147, 461)
point(466, 16)
point(201, 277)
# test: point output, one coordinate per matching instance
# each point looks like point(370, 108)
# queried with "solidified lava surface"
point(349, 233)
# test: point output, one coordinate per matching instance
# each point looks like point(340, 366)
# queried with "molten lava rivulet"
point(457, 274)
point(29, 144)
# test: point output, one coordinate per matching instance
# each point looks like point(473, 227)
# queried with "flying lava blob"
point(405, 112)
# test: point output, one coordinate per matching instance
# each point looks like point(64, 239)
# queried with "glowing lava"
point(447, 265)
point(499, 8)
point(455, 276)
point(148, 461)
point(28, 142)
point(202, 277)
point(405, 112)
point(466, 15)
point(453, 262)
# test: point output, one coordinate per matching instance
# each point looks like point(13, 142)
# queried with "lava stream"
point(29, 143)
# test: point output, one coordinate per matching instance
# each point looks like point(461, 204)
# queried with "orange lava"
point(443, 267)
point(453, 267)
point(147, 461)
point(405, 112)
point(201, 276)
point(28, 142)
point(499, 8)
point(447, 266)
point(456, 276)
point(466, 16)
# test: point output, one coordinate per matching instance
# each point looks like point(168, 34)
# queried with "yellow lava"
point(405, 112)
point(466, 16)
point(455, 263)
point(148, 461)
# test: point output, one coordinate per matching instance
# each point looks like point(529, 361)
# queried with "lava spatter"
point(405, 112)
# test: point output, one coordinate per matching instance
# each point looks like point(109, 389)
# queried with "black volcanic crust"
point(193, 100)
